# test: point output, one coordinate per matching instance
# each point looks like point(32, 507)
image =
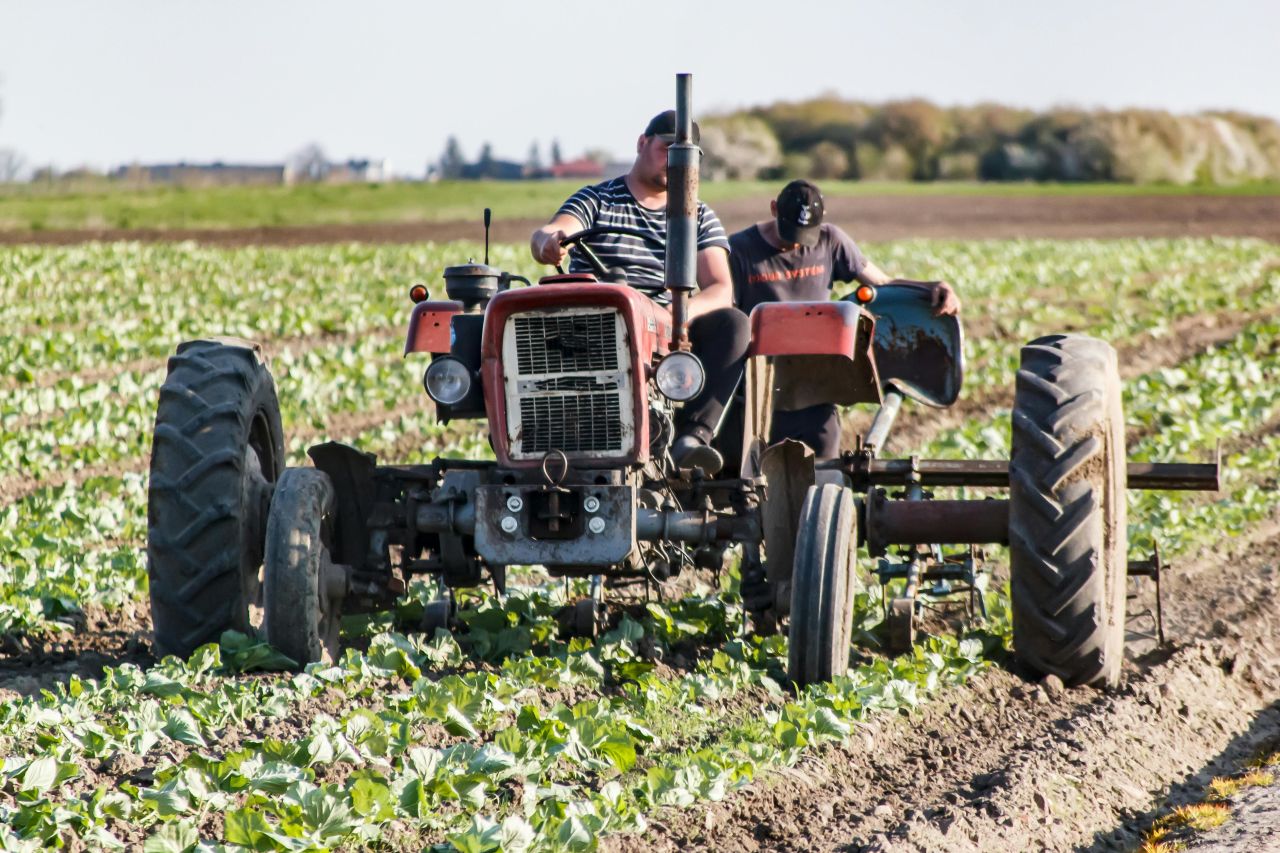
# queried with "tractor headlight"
point(680, 376)
point(447, 380)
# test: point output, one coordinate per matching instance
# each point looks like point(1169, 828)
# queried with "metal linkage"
point(878, 433)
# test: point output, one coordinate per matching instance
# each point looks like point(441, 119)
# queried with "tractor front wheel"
point(303, 587)
point(823, 586)
point(217, 450)
point(1067, 538)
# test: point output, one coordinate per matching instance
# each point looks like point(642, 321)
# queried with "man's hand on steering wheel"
point(579, 238)
point(551, 248)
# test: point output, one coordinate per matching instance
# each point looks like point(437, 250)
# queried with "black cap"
point(663, 126)
point(800, 210)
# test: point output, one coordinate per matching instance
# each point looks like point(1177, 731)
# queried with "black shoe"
point(691, 452)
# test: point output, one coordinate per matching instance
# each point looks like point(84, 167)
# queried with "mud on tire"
point(823, 586)
point(217, 450)
point(1067, 537)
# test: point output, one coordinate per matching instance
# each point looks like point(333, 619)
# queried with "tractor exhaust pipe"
point(681, 272)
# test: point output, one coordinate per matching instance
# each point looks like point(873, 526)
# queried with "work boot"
point(689, 452)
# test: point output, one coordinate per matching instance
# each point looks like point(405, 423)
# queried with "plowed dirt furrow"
point(1009, 764)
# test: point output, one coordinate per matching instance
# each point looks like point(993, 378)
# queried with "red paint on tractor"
point(648, 334)
point(807, 328)
point(569, 278)
point(429, 326)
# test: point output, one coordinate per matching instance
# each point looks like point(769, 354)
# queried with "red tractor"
point(578, 379)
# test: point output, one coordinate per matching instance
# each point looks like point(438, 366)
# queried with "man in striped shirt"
point(718, 332)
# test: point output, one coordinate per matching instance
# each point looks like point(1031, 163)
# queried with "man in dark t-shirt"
point(796, 257)
point(719, 332)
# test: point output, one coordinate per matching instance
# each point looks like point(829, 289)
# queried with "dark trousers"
point(817, 426)
point(719, 339)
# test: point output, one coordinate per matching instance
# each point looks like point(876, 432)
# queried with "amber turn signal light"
point(418, 293)
point(866, 294)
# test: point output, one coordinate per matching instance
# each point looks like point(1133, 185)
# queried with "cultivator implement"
point(917, 529)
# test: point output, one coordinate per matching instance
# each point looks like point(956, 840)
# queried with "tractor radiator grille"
point(567, 383)
point(566, 343)
point(578, 423)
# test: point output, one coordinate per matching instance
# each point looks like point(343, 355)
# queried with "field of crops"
point(504, 737)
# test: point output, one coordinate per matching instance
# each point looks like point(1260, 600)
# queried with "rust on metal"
point(892, 522)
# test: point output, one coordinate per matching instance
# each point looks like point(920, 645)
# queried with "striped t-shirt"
point(612, 204)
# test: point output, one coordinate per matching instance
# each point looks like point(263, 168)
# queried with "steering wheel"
point(597, 266)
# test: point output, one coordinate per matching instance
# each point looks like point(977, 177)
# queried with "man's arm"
point(945, 300)
point(545, 242)
point(715, 282)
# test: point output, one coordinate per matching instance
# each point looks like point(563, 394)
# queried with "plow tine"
point(1153, 568)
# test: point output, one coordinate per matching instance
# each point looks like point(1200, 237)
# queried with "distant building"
point(359, 172)
point(204, 174)
point(582, 168)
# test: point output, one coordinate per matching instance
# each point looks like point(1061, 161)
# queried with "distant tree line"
point(453, 164)
point(915, 140)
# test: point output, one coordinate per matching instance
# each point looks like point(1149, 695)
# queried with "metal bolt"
point(514, 503)
point(596, 525)
point(591, 504)
point(509, 524)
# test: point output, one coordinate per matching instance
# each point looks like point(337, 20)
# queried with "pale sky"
point(106, 83)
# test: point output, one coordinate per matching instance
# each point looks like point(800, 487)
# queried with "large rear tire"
point(823, 586)
point(1068, 543)
point(303, 588)
point(217, 451)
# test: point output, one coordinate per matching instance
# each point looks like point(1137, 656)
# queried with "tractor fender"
point(820, 352)
point(919, 354)
point(429, 326)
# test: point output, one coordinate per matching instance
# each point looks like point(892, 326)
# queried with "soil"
point(97, 638)
point(866, 217)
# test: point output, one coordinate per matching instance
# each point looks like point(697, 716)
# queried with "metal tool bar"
point(994, 473)
point(1189, 476)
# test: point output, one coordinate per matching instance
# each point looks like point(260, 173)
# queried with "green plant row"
point(99, 305)
point(442, 757)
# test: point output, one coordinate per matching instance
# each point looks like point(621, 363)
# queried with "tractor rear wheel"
point(1068, 542)
point(303, 587)
point(823, 586)
point(217, 450)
